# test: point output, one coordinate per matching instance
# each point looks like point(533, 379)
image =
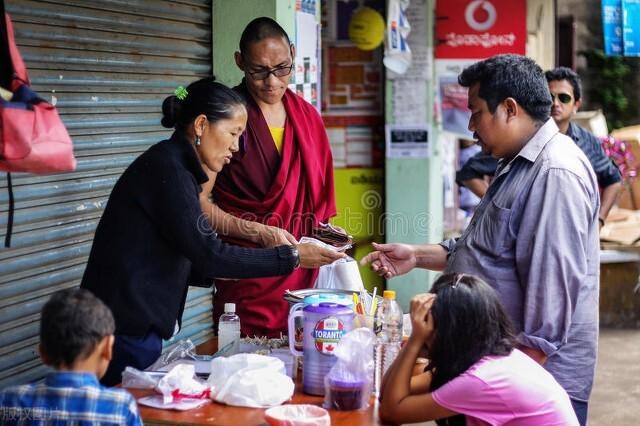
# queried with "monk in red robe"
point(278, 186)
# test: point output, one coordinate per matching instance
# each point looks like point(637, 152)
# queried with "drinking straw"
point(364, 299)
point(374, 302)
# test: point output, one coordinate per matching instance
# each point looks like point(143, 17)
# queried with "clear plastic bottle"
point(229, 329)
point(388, 328)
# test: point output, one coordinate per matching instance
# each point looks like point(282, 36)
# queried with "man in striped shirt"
point(564, 85)
point(76, 339)
point(566, 92)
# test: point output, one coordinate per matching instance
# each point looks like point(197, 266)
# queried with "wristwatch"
point(294, 253)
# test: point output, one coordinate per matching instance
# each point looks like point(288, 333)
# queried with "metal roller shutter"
point(107, 66)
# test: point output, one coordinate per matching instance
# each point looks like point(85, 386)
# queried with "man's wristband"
point(601, 221)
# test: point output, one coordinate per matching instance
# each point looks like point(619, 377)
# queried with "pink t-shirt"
point(507, 390)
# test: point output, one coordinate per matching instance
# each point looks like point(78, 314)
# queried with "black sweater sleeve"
point(175, 209)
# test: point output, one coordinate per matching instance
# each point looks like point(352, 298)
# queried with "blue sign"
point(612, 27)
point(631, 27)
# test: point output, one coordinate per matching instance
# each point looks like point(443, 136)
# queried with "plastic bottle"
point(388, 328)
point(229, 329)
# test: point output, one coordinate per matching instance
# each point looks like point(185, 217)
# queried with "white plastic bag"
point(184, 349)
point(180, 382)
point(348, 385)
point(250, 380)
point(136, 379)
point(397, 54)
point(342, 274)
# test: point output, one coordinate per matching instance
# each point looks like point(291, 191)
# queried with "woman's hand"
point(313, 256)
point(271, 236)
point(421, 317)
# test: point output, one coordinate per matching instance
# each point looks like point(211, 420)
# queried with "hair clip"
point(181, 93)
point(457, 279)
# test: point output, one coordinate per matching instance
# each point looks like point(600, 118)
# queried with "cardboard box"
point(622, 227)
point(593, 121)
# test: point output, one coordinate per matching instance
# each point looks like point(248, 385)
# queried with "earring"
point(197, 140)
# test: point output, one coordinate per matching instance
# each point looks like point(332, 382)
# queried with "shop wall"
point(541, 32)
point(106, 66)
point(588, 23)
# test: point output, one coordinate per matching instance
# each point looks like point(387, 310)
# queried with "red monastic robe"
point(293, 191)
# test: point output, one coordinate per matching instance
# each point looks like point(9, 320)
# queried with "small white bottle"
point(229, 330)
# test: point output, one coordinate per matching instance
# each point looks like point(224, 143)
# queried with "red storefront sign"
point(477, 29)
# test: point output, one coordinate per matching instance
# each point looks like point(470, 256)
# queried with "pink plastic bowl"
point(297, 415)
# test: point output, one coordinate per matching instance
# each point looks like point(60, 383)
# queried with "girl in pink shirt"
point(475, 369)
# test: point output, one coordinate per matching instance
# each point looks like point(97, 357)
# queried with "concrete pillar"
point(414, 194)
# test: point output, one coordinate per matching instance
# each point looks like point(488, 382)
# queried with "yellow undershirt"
point(277, 133)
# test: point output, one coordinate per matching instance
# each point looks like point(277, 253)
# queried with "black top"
point(151, 237)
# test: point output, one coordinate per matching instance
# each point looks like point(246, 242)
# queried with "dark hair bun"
point(171, 108)
point(203, 97)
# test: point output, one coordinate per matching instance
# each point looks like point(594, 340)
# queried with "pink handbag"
point(32, 136)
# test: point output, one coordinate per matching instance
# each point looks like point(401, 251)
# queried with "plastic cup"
point(362, 320)
point(345, 396)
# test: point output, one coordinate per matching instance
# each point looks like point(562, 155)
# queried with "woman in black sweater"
point(153, 241)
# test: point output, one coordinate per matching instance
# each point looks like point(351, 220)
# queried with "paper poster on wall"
point(307, 6)
point(454, 110)
point(307, 65)
point(354, 81)
point(421, 55)
point(408, 141)
point(631, 27)
point(612, 27)
point(409, 102)
point(356, 141)
point(452, 100)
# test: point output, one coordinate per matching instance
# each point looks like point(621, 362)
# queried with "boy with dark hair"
point(76, 339)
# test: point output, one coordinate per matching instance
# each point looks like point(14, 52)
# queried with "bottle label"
point(326, 334)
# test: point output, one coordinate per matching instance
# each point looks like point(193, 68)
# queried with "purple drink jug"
point(324, 325)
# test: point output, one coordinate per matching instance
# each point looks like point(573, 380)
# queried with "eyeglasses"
point(564, 98)
point(278, 72)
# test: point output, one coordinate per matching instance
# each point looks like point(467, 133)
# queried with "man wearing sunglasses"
point(565, 88)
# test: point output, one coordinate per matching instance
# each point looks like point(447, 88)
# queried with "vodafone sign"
point(478, 29)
